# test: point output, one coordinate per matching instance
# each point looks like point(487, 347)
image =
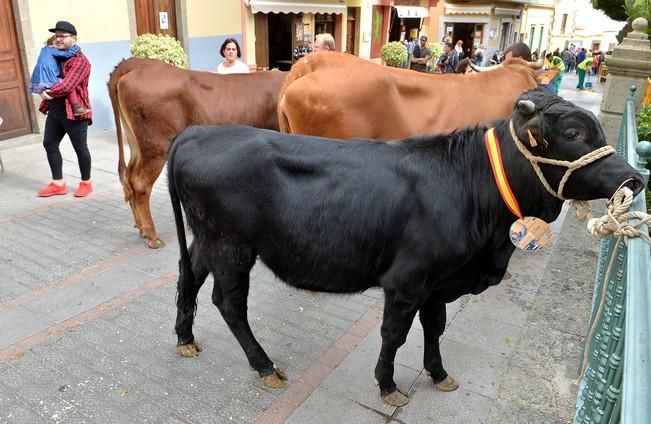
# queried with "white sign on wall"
point(163, 20)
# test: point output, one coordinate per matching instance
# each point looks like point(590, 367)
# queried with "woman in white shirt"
point(231, 53)
point(459, 48)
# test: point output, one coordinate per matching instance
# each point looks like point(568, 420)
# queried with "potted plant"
point(394, 54)
point(161, 47)
point(435, 52)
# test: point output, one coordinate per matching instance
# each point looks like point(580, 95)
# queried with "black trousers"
point(55, 128)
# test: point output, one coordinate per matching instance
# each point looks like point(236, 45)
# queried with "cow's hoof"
point(155, 244)
point(447, 385)
point(396, 398)
point(189, 350)
point(276, 380)
point(507, 276)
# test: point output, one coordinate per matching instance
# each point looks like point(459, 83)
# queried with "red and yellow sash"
point(495, 156)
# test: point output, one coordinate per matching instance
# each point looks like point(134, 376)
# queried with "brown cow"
point(342, 96)
point(155, 101)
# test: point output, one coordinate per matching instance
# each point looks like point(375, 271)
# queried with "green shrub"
point(435, 51)
point(394, 54)
point(644, 124)
point(161, 47)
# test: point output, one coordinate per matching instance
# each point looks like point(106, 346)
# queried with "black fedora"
point(64, 26)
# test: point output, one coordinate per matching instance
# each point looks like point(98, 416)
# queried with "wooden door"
point(261, 40)
point(13, 91)
point(351, 29)
point(156, 17)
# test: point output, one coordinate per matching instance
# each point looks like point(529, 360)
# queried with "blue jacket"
point(47, 71)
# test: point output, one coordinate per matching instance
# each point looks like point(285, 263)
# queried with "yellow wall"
point(95, 21)
point(207, 18)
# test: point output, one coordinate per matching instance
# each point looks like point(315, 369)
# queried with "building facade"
point(579, 24)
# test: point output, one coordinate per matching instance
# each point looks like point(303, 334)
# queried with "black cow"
point(422, 218)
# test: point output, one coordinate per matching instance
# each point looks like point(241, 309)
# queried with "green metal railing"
point(616, 368)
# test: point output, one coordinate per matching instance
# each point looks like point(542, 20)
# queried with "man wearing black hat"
point(420, 56)
point(61, 120)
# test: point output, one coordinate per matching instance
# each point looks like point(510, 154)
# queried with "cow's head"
point(554, 129)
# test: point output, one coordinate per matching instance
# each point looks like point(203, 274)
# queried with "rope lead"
point(616, 220)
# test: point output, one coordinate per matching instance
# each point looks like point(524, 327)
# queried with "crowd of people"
point(419, 55)
point(453, 59)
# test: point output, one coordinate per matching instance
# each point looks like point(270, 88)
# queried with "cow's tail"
point(299, 70)
point(186, 276)
point(283, 121)
point(120, 70)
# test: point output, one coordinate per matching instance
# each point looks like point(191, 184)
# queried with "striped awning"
point(454, 9)
point(506, 11)
point(315, 6)
point(412, 12)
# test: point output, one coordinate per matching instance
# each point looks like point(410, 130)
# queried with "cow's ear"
point(533, 133)
point(531, 129)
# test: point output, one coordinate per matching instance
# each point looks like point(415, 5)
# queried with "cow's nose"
point(635, 183)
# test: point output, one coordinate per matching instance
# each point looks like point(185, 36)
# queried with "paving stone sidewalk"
point(87, 314)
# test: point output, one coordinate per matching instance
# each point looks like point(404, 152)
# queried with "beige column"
point(630, 64)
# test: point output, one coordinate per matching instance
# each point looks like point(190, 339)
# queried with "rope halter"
point(582, 206)
point(616, 220)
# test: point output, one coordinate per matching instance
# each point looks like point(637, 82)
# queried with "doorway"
point(351, 29)
point(13, 92)
point(279, 36)
point(156, 17)
point(466, 33)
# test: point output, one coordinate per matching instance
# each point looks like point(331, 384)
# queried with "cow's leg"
point(230, 295)
point(143, 177)
point(399, 313)
point(432, 317)
point(129, 170)
point(186, 306)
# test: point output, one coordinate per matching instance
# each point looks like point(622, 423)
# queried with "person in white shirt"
point(231, 53)
point(459, 49)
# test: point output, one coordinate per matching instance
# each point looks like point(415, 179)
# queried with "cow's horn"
point(527, 107)
point(541, 61)
point(539, 64)
point(484, 68)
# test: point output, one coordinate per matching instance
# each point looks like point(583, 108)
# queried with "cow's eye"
point(572, 134)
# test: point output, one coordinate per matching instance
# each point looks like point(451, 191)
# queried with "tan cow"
point(155, 101)
point(342, 96)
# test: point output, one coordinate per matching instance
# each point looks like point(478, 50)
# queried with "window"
point(540, 40)
point(531, 35)
point(324, 22)
point(505, 34)
point(563, 23)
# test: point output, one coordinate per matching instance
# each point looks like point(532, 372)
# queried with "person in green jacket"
point(555, 62)
point(584, 67)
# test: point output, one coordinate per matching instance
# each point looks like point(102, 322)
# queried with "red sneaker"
point(52, 189)
point(84, 189)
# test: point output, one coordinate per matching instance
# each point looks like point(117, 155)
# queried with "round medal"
point(530, 234)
